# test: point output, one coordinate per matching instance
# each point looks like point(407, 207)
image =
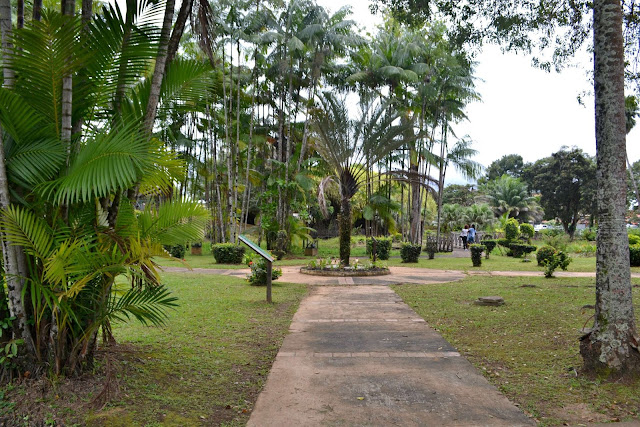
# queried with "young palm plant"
point(351, 146)
point(87, 252)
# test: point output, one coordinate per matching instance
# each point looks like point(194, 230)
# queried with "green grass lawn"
point(208, 364)
point(529, 347)
point(442, 261)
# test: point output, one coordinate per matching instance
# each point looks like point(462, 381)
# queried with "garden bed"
point(342, 272)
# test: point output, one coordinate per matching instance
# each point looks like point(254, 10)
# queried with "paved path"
point(291, 274)
point(359, 356)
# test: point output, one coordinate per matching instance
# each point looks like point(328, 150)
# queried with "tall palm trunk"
point(13, 256)
point(158, 72)
point(37, 10)
point(612, 344)
point(344, 227)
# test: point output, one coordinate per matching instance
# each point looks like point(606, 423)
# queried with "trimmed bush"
point(176, 251)
point(228, 253)
point(431, 248)
point(383, 247)
point(476, 254)
point(410, 252)
point(520, 249)
point(504, 243)
point(634, 255)
point(527, 231)
point(559, 259)
point(544, 253)
point(512, 229)
point(490, 245)
point(634, 239)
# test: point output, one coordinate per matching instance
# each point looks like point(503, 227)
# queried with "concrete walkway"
point(359, 356)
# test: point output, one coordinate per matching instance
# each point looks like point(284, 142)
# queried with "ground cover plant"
point(529, 347)
point(205, 367)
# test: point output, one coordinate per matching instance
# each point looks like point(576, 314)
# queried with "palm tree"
point(77, 233)
point(350, 147)
point(480, 214)
point(509, 195)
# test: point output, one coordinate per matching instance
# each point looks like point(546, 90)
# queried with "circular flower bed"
point(332, 267)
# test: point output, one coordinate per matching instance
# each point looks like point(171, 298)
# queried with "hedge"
point(410, 252)
point(476, 254)
point(228, 253)
point(383, 247)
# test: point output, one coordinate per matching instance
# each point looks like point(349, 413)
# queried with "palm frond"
point(147, 305)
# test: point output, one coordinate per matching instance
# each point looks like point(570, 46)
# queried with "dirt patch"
point(67, 401)
point(579, 413)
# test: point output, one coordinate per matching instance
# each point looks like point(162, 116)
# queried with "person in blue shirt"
point(471, 235)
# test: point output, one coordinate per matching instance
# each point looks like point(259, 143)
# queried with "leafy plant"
point(383, 247)
point(490, 245)
point(431, 248)
point(589, 234)
point(519, 249)
point(176, 251)
point(527, 231)
point(512, 229)
point(476, 254)
point(544, 253)
point(634, 255)
point(410, 252)
point(228, 253)
point(558, 259)
point(258, 275)
point(557, 241)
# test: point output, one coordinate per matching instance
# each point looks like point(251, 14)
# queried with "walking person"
point(471, 234)
point(463, 236)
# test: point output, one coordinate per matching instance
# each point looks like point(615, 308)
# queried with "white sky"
point(524, 110)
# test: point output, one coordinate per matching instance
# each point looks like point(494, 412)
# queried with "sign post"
point(264, 254)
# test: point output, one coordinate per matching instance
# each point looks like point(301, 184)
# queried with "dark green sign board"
point(264, 254)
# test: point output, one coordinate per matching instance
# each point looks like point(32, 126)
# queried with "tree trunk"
point(37, 9)
point(158, 72)
point(344, 225)
point(612, 345)
point(178, 29)
point(10, 253)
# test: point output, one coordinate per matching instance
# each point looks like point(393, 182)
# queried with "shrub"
point(512, 229)
point(544, 253)
point(634, 255)
point(258, 275)
point(550, 232)
point(504, 242)
point(176, 251)
point(410, 252)
point(228, 253)
point(558, 259)
point(557, 241)
point(476, 254)
point(527, 231)
point(383, 247)
point(431, 248)
point(490, 245)
point(634, 239)
point(520, 249)
point(589, 234)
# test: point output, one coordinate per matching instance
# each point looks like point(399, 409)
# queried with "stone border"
point(345, 273)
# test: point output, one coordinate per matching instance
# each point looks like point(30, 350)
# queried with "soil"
point(66, 401)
